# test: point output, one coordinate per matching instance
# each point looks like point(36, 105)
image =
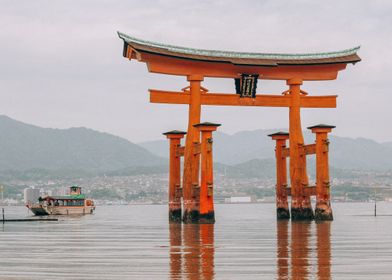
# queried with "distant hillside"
point(388, 144)
point(26, 147)
point(229, 149)
point(265, 169)
point(360, 153)
point(345, 153)
point(28, 151)
point(255, 168)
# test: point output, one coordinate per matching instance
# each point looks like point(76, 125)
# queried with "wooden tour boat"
point(74, 203)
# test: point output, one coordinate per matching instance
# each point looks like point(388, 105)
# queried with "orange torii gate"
point(246, 69)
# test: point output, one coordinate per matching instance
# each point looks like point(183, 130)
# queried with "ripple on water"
point(136, 242)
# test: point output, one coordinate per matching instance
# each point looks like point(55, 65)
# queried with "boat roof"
point(240, 58)
point(64, 197)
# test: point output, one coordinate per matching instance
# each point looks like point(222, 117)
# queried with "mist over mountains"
point(36, 151)
point(243, 146)
point(24, 147)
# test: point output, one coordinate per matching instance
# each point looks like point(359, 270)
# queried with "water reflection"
point(175, 251)
point(301, 246)
point(300, 250)
point(297, 245)
point(324, 250)
point(283, 250)
point(192, 251)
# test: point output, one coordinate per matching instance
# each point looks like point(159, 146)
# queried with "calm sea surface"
point(136, 242)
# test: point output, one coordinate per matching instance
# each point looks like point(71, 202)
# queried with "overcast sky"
point(61, 62)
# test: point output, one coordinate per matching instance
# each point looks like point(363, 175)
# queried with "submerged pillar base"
point(302, 214)
point(175, 215)
point(282, 213)
point(323, 213)
point(208, 218)
point(191, 216)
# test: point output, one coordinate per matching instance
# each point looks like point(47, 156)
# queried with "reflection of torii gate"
point(246, 69)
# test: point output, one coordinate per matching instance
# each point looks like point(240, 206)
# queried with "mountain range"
point(35, 150)
point(243, 146)
point(25, 147)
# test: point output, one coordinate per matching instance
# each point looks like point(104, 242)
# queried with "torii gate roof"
point(242, 58)
point(175, 60)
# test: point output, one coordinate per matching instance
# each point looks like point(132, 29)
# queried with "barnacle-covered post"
point(323, 205)
point(282, 204)
point(175, 137)
point(207, 213)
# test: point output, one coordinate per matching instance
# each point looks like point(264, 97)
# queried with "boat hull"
point(38, 211)
point(73, 210)
point(61, 210)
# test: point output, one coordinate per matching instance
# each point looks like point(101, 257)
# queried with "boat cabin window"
point(65, 202)
point(74, 202)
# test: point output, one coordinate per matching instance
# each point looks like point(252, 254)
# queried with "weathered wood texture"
point(282, 205)
point(174, 178)
point(224, 99)
point(191, 160)
point(207, 214)
point(301, 208)
point(323, 206)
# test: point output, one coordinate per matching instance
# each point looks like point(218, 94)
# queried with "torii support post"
point(174, 137)
point(301, 207)
point(323, 205)
point(206, 214)
point(192, 159)
point(282, 205)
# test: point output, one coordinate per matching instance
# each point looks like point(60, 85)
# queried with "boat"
point(74, 203)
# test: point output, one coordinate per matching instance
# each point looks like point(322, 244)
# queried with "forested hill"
point(244, 146)
point(25, 147)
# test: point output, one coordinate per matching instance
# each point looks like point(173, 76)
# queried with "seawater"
point(246, 242)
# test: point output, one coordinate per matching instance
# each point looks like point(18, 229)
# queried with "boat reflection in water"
point(192, 251)
point(294, 253)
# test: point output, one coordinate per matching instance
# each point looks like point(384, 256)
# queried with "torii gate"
point(246, 69)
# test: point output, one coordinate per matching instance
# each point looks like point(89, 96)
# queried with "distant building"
point(31, 195)
point(239, 199)
point(61, 191)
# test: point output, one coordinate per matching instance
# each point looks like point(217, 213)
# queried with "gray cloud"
point(62, 64)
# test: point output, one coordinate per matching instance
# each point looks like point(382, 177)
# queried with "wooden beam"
point(286, 152)
point(308, 191)
point(185, 67)
point(180, 151)
point(309, 149)
point(169, 97)
point(325, 101)
point(196, 148)
point(224, 99)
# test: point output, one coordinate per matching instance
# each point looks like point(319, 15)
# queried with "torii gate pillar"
point(282, 204)
point(206, 198)
point(191, 159)
point(301, 207)
point(175, 137)
point(323, 205)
